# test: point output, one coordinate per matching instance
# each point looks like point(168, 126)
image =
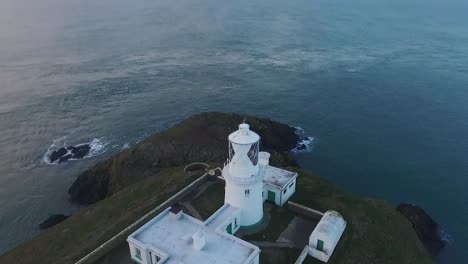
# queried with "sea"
point(379, 87)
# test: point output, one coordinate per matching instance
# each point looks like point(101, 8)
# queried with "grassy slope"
point(210, 201)
point(75, 237)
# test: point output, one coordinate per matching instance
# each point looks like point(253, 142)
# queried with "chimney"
point(263, 160)
point(199, 240)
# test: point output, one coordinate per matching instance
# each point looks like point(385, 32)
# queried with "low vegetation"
point(210, 201)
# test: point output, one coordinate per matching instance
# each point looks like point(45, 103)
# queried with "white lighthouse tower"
point(244, 185)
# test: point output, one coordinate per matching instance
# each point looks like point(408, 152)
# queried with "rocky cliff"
point(426, 228)
point(202, 137)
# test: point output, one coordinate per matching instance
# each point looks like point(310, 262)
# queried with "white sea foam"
point(125, 146)
point(305, 143)
point(445, 236)
point(97, 147)
point(299, 131)
point(54, 146)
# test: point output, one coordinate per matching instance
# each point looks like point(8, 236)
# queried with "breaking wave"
point(305, 143)
point(445, 236)
point(97, 147)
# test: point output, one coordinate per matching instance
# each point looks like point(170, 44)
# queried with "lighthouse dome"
point(244, 136)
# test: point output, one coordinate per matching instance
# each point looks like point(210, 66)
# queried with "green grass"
point(72, 239)
point(209, 201)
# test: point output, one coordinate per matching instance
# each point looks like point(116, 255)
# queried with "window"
point(235, 222)
point(291, 185)
point(284, 191)
point(154, 257)
point(137, 253)
point(253, 153)
point(231, 151)
point(247, 192)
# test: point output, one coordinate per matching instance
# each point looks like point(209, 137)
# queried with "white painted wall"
point(235, 223)
point(281, 196)
point(251, 205)
point(143, 254)
point(287, 192)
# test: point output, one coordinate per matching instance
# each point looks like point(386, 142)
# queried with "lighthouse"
point(243, 178)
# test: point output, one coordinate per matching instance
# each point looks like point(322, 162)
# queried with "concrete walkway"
point(298, 232)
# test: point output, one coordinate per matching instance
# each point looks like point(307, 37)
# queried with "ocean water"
point(380, 86)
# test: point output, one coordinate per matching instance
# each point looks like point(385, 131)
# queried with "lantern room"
point(243, 152)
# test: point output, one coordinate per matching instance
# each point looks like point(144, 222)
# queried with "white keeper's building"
point(174, 237)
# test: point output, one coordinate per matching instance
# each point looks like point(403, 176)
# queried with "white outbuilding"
point(325, 237)
point(278, 185)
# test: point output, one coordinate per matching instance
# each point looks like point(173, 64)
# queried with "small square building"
point(278, 185)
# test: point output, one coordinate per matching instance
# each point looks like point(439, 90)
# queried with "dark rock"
point(301, 146)
point(57, 154)
point(53, 220)
point(71, 152)
point(80, 151)
point(200, 138)
point(65, 158)
point(426, 228)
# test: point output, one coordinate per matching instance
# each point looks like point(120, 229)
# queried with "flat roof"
point(221, 215)
point(172, 236)
point(278, 177)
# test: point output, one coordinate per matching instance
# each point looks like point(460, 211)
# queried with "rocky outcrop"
point(426, 228)
point(53, 220)
point(201, 137)
point(71, 152)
